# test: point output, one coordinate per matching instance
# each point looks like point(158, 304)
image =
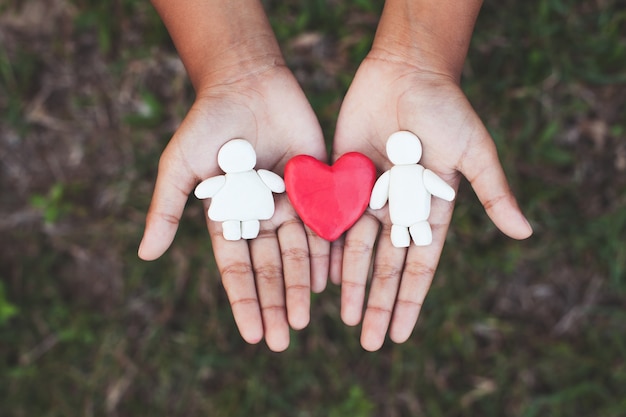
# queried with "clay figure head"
point(237, 155)
point(404, 148)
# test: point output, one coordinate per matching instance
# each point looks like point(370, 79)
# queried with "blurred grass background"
point(90, 92)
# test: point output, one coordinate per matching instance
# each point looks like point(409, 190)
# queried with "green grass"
point(533, 328)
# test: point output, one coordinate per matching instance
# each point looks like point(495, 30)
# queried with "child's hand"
point(267, 279)
point(388, 95)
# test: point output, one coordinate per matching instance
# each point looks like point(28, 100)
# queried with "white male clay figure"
point(408, 187)
point(242, 196)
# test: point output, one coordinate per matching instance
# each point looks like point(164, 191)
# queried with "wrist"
point(244, 58)
point(432, 35)
point(220, 41)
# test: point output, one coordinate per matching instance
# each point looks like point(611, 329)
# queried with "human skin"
point(243, 90)
point(410, 80)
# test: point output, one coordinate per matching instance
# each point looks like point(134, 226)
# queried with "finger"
point(173, 185)
point(235, 266)
point(357, 255)
point(482, 168)
point(268, 272)
point(319, 253)
point(296, 267)
point(388, 265)
point(419, 270)
point(336, 260)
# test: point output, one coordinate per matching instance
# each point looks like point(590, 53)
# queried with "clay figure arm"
point(273, 181)
point(380, 192)
point(437, 187)
point(209, 187)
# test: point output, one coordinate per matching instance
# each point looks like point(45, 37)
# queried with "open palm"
point(267, 279)
point(386, 96)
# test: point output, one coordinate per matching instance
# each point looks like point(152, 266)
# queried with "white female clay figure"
point(242, 196)
point(408, 187)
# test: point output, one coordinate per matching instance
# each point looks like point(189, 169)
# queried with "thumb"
point(173, 185)
point(482, 168)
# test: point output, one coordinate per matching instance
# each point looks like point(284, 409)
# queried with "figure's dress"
point(243, 197)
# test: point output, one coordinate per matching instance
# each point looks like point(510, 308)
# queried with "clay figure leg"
point(250, 229)
point(400, 236)
point(231, 229)
point(421, 233)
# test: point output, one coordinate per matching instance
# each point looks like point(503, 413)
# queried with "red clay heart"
point(330, 199)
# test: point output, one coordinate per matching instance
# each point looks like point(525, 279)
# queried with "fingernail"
point(528, 225)
point(139, 249)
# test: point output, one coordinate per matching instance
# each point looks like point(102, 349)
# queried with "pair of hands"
point(268, 280)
